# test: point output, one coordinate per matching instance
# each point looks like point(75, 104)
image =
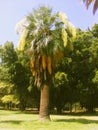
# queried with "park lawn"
point(16, 120)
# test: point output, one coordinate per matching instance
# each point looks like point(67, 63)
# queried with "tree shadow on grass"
point(80, 113)
point(12, 122)
point(78, 120)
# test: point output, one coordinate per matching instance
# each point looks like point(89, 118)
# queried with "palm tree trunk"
point(44, 104)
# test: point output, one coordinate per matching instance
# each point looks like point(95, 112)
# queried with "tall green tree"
point(45, 34)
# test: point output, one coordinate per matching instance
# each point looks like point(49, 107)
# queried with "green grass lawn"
point(16, 120)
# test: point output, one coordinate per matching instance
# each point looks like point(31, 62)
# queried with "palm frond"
point(63, 17)
point(20, 25)
point(22, 41)
point(88, 2)
point(95, 6)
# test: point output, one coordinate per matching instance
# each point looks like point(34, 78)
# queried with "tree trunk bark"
point(44, 104)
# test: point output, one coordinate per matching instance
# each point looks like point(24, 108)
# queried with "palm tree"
point(46, 35)
point(88, 2)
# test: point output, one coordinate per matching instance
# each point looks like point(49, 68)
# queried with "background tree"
point(61, 85)
point(34, 95)
point(8, 58)
point(84, 54)
point(80, 65)
point(15, 75)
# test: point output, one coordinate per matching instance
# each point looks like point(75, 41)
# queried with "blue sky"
point(12, 11)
